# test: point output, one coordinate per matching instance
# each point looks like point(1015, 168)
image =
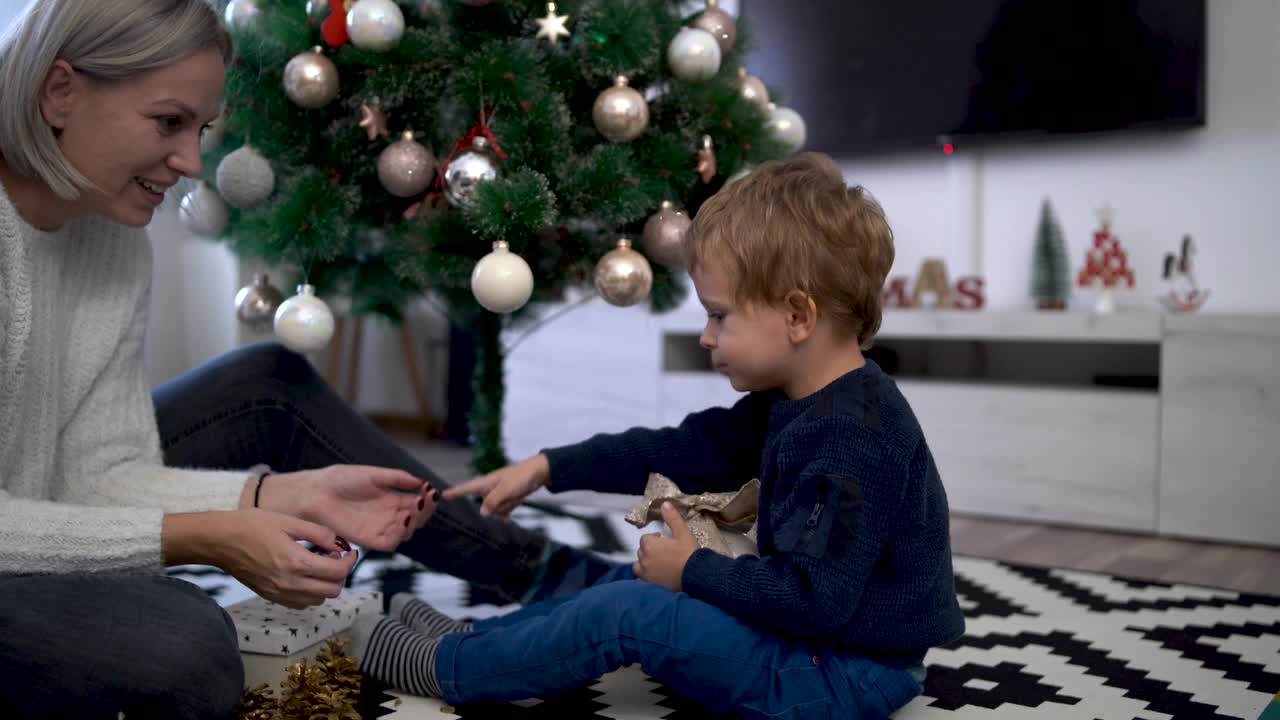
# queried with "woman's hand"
point(260, 549)
point(505, 488)
point(377, 508)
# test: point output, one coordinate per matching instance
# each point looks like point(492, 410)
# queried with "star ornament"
point(374, 120)
point(552, 27)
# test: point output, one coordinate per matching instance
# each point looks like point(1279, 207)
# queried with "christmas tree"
point(481, 153)
point(1050, 272)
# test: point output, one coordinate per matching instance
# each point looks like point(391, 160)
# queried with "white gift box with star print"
point(272, 637)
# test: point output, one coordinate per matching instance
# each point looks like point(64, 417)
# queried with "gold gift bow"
point(724, 522)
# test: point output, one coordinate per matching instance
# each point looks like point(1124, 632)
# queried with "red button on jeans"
point(816, 661)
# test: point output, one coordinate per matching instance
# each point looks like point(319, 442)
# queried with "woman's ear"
point(801, 313)
point(57, 93)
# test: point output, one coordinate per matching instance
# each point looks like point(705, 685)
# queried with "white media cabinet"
point(1133, 421)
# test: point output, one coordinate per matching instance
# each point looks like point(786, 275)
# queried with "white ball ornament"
point(375, 25)
point(304, 323)
point(787, 126)
point(694, 55)
point(502, 281)
point(204, 212)
point(245, 178)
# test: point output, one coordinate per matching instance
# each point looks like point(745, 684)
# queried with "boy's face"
point(748, 342)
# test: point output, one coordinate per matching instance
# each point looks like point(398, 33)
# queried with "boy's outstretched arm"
point(710, 451)
point(830, 519)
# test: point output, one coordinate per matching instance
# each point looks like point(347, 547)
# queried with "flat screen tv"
point(876, 75)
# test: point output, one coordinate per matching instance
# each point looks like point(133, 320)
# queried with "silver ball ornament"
point(620, 113)
point(468, 171)
point(719, 23)
point(204, 212)
point(245, 178)
point(664, 235)
point(375, 25)
point(693, 55)
point(317, 10)
point(502, 281)
point(239, 15)
point(406, 167)
point(304, 323)
point(256, 304)
point(623, 277)
point(212, 137)
point(787, 127)
point(311, 79)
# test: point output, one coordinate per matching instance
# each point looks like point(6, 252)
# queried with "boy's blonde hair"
point(109, 40)
point(794, 224)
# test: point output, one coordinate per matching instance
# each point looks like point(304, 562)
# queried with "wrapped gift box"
point(273, 637)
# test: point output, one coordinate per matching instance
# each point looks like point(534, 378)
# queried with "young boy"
point(854, 581)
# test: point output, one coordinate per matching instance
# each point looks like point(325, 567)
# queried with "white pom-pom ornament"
point(245, 178)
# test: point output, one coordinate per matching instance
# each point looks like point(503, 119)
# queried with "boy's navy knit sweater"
point(855, 551)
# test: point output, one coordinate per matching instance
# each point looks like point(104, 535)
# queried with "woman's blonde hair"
point(108, 40)
point(794, 225)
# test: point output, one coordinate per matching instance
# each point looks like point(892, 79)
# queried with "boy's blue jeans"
point(691, 646)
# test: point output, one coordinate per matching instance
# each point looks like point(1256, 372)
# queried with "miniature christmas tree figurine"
point(1106, 264)
point(1050, 272)
point(1185, 294)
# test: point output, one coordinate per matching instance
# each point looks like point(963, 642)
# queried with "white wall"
point(978, 208)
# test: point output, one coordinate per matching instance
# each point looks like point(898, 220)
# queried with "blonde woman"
point(102, 483)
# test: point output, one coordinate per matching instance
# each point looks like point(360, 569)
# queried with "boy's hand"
point(661, 560)
point(505, 488)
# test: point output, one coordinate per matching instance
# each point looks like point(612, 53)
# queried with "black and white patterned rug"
point(1040, 643)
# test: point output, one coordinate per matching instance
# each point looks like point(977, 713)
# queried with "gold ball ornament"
point(502, 281)
point(304, 322)
point(623, 277)
point(256, 304)
point(311, 79)
point(620, 113)
point(753, 89)
point(722, 26)
point(693, 55)
point(664, 235)
point(375, 25)
point(245, 178)
point(406, 166)
point(468, 171)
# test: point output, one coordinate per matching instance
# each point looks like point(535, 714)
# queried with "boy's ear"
point(802, 315)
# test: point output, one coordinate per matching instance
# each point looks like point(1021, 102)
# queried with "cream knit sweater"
point(83, 487)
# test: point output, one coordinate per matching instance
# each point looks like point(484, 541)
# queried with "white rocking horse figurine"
point(1184, 293)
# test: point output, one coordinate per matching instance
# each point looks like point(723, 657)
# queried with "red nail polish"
point(435, 495)
point(421, 503)
point(346, 546)
point(406, 521)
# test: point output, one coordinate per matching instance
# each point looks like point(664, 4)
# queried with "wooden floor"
point(1247, 569)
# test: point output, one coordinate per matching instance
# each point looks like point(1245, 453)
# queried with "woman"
point(103, 484)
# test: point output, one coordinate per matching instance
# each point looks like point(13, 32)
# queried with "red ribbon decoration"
point(480, 129)
point(334, 27)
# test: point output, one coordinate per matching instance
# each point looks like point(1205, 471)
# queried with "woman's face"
point(134, 139)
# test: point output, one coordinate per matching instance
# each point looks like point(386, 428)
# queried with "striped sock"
point(423, 618)
point(396, 655)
